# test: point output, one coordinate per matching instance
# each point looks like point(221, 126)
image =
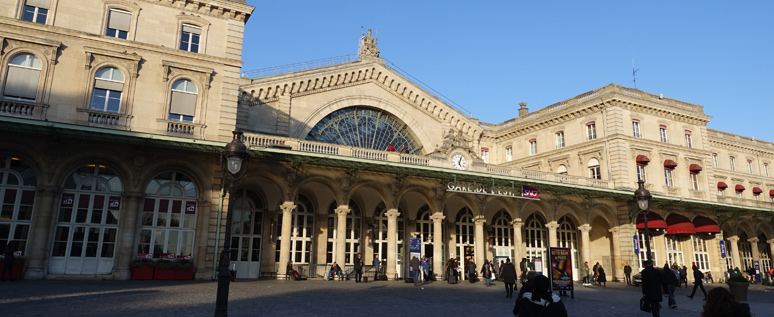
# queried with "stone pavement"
point(320, 298)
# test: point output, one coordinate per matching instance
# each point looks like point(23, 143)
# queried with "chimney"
point(523, 109)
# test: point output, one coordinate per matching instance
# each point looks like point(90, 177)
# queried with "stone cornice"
point(215, 8)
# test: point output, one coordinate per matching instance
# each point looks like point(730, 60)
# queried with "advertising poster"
point(561, 269)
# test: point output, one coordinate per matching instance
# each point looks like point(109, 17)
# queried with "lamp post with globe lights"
point(642, 196)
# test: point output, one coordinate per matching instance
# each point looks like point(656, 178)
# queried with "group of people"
point(420, 269)
point(597, 275)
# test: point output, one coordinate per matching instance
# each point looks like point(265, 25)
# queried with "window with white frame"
point(352, 233)
point(559, 139)
point(118, 23)
point(301, 232)
point(17, 198)
point(183, 101)
point(535, 238)
point(745, 251)
point(668, 176)
point(662, 131)
point(108, 86)
point(190, 36)
point(36, 10)
point(749, 166)
point(508, 154)
point(503, 234)
point(561, 170)
point(168, 223)
point(733, 163)
point(641, 172)
point(594, 169)
point(674, 249)
point(485, 155)
point(533, 147)
point(765, 254)
point(22, 78)
point(688, 142)
point(694, 181)
point(591, 131)
point(643, 255)
point(636, 129)
point(700, 253)
point(715, 160)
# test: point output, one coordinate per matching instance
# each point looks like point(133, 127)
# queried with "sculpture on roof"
point(367, 45)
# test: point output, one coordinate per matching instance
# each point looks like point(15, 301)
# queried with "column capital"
point(733, 239)
point(614, 230)
point(342, 210)
point(479, 220)
point(133, 195)
point(584, 228)
point(437, 217)
point(753, 240)
point(288, 207)
point(518, 223)
point(553, 225)
point(47, 190)
point(392, 213)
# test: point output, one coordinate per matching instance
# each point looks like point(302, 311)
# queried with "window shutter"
point(109, 85)
point(43, 4)
point(119, 20)
point(183, 103)
point(22, 82)
point(192, 29)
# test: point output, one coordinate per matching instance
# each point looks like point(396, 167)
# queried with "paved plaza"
point(320, 298)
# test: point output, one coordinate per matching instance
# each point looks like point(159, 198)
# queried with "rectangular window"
point(118, 23)
point(663, 133)
point(591, 131)
point(749, 166)
point(668, 177)
point(738, 194)
point(715, 160)
point(636, 128)
point(594, 172)
point(485, 155)
point(508, 154)
point(532, 147)
point(36, 11)
point(189, 38)
point(106, 100)
point(641, 172)
point(559, 139)
point(695, 181)
point(688, 142)
point(733, 164)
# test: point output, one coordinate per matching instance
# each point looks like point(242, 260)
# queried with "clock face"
point(459, 162)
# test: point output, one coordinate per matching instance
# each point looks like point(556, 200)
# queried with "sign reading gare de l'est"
point(495, 190)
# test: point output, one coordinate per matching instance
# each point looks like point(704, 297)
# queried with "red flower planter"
point(144, 272)
point(162, 274)
point(184, 274)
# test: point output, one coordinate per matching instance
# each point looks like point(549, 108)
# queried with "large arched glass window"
point(765, 253)
point(366, 128)
point(17, 196)
point(108, 86)
point(182, 105)
point(535, 238)
point(168, 221)
point(466, 234)
point(567, 237)
point(503, 234)
point(21, 80)
point(745, 251)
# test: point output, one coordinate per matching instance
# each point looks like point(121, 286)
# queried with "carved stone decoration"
point(367, 45)
point(453, 139)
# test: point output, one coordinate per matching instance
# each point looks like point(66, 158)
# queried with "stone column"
point(41, 232)
point(287, 225)
point(479, 244)
point(755, 252)
point(392, 241)
point(585, 243)
point(438, 258)
point(517, 244)
point(734, 243)
point(127, 230)
point(341, 235)
point(552, 240)
point(615, 262)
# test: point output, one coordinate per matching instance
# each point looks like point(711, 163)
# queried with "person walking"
point(471, 267)
point(523, 268)
point(683, 272)
point(584, 272)
point(509, 277)
point(698, 281)
point(539, 301)
point(358, 268)
point(628, 273)
point(652, 286)
point(670, 282)
point(425, 268)
point(496, 269)
point(601, 276)
point(595, 270)
point(377, 264)
point(415, 269)
point(7, 263)
point(486, 272)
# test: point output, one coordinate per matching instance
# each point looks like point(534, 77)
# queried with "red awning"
point(642, 160)
point(757, 191)
point(670, 164)
point(739, 188)
point(679, 225)
point(722, 185)
point(654, 222)
point(695, 168)
point(705, 225)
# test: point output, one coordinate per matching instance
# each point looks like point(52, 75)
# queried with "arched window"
point(561, 169)
point(182, 105)
point(594, 170)
point(425, 226)
point(567, 237)
point(364, 127)
point(765, 253)
point(247, 233)
point(108, 86)
point(301, 232)
point(17, 197)
point(535, 238)
point(380, 236)
point(354, 228)
point(745, 251)
point(21, 80)
point(466, 234)
point(87, 222)
point(503, 234)
point(168, 224)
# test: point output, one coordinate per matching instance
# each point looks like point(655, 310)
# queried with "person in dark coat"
point(601, 276)
point(7, 263)
point(652, 286)
point(523, 267)
point(358, 268)
point(670, 282)
point(509, 277)
point(683, 276)
point(721, 303)
point(471, 267)
point(539, 300)
point(698, 281)
point(414, 263)
point(628, 273)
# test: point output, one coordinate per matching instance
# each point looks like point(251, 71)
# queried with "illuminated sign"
point(527, 192)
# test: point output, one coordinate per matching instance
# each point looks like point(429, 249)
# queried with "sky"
point(487, 56)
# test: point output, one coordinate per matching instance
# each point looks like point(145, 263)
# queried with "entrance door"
point(247, 229)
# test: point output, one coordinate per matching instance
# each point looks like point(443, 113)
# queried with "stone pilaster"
point(341, 235)
point(585, 243)
point(287, 225)
point(518, 250)
point(41, 231)
point(552, 226)
point(438, 258)
point(479, 243)
point(616, 268)
point(127, 229)
point(392, 241)
point(734, 243)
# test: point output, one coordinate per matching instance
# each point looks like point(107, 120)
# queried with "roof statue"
point(367, 45)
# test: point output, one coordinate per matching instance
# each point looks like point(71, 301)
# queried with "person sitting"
point(335, 269)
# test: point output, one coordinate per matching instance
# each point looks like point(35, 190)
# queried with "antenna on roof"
point(634, 74)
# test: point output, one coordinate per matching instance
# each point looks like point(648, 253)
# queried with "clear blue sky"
point(487, 56)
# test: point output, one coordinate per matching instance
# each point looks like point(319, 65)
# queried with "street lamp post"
point(233, 159)
point(642, 196)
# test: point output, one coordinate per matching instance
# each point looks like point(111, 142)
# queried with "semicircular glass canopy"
point(366, 128)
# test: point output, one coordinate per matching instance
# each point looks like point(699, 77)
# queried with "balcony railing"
point(22, 109)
